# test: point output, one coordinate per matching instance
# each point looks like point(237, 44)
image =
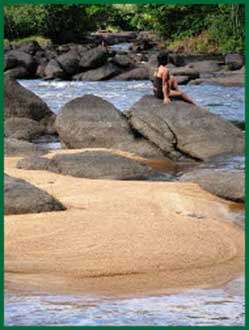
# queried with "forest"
point(206, 28)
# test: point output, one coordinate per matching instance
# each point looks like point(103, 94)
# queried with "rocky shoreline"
point(95, 60)
point(96, 216)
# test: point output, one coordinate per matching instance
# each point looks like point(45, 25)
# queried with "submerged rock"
point(93, 164)
point(22, 197)
point(225, 184)
point(180, 126)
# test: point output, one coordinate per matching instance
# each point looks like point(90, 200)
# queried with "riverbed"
point(218, 306)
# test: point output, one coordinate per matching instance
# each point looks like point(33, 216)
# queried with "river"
point(218, 306)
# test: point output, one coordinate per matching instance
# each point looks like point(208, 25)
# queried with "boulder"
point(226, 184)
point(134, 74)
point(69, 62)
point(93, 58)
point(182, 59)
point(182, 80)
point(30, 47)
point(105, 72)
point(96, 164)
point(89, 122)
point(20, 58)
point(17, 73)
point(232, 78)
point(180, 126)
point(234, 61)
point(23, 128)
point(185, 71)
point(21, 197)
point(123, 60)
point(53, 70)
point(21, 102)
point(205, 66)
point(14, 148)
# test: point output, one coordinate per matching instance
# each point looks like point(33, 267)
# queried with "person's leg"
point(184, 96)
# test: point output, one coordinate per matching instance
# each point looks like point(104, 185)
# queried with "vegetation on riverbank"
point(203, 28)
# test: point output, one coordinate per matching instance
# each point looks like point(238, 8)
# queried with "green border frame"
point(4, 2)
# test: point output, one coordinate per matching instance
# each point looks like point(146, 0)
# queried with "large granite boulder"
point(225, 184)
point(234, 61)
point(16, 58)
point(53, 70)
point(123, 60)
point(18, 72)
point(223, 78)
point(93, 164)
point(14, 148)
point(21, 102)
point(23, 128)
point(91, 122)
point(205, 66)
point(69, 62)
point(21, 197)
point(180, 126)
point(105, 72)
point(134, 74)
point(93, 58)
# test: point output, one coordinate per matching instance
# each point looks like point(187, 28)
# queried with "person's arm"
point(165, 87)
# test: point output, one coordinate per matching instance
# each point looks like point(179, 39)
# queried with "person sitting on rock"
point(164, 84)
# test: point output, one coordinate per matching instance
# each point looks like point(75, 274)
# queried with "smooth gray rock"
point(93, 58)
point(123, 60)
point(105, 72)
point(234, 61)
point(14, 147)
point(134, 74)
point(180, 126)
point(21, 197)
point(91, 164)
point(226, 184)
point(205, 66)
point(232, 78)
point(23, 128)
point(91, 122)
point(21, 102)
point(69, 62)
point(53, 70)
point(16, 58)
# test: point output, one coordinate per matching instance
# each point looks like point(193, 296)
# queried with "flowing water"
point(220, 306)
point(224, 306)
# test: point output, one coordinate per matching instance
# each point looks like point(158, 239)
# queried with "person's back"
point(165, 85)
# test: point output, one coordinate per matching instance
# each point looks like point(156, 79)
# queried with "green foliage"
point(227, 28)
point(223, 23)
point(23, 20)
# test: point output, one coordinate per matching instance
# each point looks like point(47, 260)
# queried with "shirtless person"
point(165, 85)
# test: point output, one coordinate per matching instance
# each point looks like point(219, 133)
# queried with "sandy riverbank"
point(121, 237)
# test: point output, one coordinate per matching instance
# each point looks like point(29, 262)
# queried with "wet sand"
point(121, 238)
